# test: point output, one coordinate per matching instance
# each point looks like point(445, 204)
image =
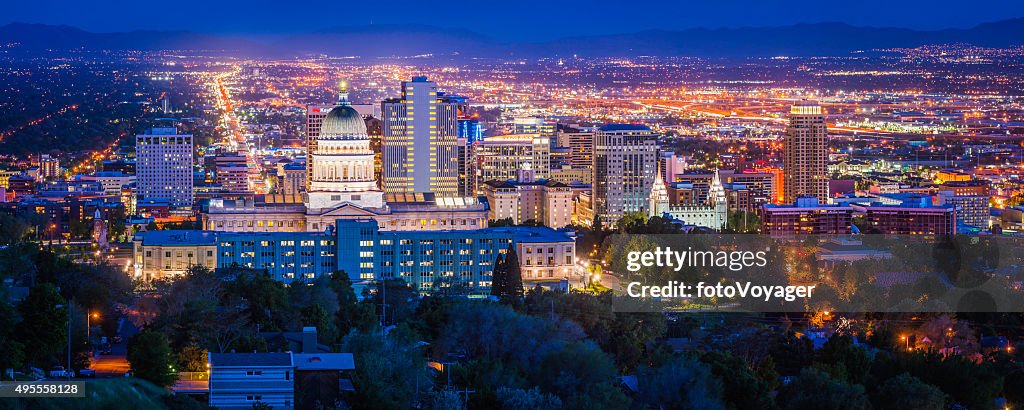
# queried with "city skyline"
point(262, 214)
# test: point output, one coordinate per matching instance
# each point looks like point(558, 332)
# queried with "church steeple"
point(716, 193)
point(658, 198)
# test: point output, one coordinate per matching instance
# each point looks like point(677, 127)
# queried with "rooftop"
point(177, 238)
point(624, 127)
point(250, 359)
point(323, 361)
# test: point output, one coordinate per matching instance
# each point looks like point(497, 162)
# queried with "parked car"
point(59, 371)
point(87, 373)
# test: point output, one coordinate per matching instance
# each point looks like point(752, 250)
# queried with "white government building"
point(342, 186)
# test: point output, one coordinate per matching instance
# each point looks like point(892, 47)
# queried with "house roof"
point(323, 361)
point(250, 360)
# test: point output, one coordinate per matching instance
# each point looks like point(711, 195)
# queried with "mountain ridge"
point(392, 40)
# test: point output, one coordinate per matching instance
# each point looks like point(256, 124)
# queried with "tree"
point(499, 277)
point(514, 273)
point(814, 389)
point(388, 373)
point(13, 355)
point(532, 399)
point(149, 354)
point(352, 315)
point(43, 327)
point(906, 392)
point(850, 359)
point(507, 282)
point(742, 388)
point(681, 383)
point(192, 359)
point(582, 375)
point(317, 305)
point(791, 354)
point(632, 221)
point(262, 294)
point(447, 400)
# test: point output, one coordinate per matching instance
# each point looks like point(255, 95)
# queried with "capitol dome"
point(343, 121)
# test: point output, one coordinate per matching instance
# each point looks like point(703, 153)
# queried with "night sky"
point(521, 20)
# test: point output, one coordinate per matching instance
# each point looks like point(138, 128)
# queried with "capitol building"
point(341, 185)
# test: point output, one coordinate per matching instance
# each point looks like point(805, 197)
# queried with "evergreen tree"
point(513, 274)
point(43, 328)
point(499, 278)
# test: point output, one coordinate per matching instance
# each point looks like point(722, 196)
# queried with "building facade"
point(169, 254)
point(164, 166)
point(909, 218)
point(418, 146)
point(625, 164)
point(246, 380)
point(500, 158)
point(805, 153)
point(545, 202)
point(426, 260)
point(112, 181)
point(806, 217)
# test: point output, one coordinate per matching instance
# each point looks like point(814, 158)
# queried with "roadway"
point(116, 364)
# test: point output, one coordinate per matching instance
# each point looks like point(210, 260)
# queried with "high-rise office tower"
point(467, 177)
point(419, 144)
point(580, 144)
point(625, 161)
point(805, 154)
point(164, 166)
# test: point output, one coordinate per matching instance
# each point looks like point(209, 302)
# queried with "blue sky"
point(508, 20)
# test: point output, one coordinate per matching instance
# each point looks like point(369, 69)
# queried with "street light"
point(88, 329)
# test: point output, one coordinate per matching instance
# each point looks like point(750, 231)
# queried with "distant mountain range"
point(419, 40)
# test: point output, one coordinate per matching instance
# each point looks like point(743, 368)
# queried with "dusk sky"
point(506, 20)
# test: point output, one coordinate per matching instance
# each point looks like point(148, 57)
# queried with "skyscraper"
point(805, 154)
point(164, 166)
point(625, 161)
point(419, 144)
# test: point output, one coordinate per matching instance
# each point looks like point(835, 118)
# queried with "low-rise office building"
point(807, 217)
point(426, 260)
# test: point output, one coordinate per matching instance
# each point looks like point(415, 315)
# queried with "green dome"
point(343, 121)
